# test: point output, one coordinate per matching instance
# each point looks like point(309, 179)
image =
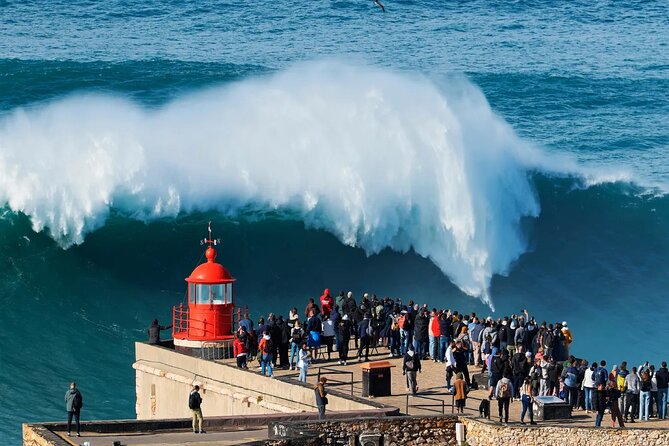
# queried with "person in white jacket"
point(589, 387)
point(449, 359)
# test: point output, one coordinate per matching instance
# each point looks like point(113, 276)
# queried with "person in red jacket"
point(433, 333)
point(327, 303)
point(240, 351)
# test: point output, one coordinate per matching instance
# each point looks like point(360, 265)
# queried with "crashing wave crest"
point(379, 159)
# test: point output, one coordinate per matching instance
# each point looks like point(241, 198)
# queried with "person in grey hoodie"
point(631, 395)
point(73, 404)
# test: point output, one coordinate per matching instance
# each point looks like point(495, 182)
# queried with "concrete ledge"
point(213, 423)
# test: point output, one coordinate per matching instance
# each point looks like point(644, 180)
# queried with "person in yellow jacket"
point(568, 338)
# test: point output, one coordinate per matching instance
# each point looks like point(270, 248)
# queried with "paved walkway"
point(431, 383)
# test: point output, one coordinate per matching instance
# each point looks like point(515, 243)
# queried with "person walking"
point(194, 404)
point(526, 399)
point(73, 404)
point(321, 397)
point(410, 367)
point(504, 393)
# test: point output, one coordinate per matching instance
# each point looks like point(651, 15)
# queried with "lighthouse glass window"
point(218, 294)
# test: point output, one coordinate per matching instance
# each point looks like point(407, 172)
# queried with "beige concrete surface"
point(164, 379)
point(431, 383)
point(169, 438)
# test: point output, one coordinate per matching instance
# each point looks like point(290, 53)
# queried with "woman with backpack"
point(266, 348)
point(504, 393)
point(410, 367)
point(296, 337)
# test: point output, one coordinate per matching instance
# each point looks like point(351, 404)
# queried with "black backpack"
point(268, 347)
point(77, 401)
point(194, 400)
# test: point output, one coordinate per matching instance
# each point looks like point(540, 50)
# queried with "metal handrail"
point(465, 408)
point(181, 319)
point(333, 371)
point(427, 407)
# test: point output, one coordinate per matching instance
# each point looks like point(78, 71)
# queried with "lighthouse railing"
point(180, 319)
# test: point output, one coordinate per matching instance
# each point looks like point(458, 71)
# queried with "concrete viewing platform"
point(243, 407)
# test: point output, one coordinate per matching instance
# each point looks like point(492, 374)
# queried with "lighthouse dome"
point(210, 271)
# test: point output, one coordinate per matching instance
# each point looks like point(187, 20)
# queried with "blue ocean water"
point(515, 151)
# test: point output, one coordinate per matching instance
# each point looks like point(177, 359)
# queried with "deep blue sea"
point(468, 154)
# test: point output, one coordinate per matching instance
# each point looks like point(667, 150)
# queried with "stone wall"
point(486, 433)
point(164, 378)
point(395, 431)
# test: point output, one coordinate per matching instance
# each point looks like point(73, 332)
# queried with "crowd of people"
point(524, 358)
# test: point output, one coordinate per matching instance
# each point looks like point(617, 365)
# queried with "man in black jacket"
point(662, 378)
point(420, 334)
point(282, 335)
point(520, 368)
point(154, 331)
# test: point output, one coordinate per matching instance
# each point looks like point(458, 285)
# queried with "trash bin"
point(376, 378)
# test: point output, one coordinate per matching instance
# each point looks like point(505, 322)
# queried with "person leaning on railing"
point(154, 331)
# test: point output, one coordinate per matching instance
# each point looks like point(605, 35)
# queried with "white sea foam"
point(377, 158)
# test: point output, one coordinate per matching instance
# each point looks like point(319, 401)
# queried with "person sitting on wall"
point(154, 332)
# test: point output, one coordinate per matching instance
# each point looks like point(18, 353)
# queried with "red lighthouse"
point(210, 312)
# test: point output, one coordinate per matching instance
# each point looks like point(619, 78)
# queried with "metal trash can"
point(376, 378)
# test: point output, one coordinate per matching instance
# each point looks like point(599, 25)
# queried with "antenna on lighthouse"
point(209, 240)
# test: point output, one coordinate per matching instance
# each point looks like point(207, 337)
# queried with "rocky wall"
point(395, 431)
point(485, 433)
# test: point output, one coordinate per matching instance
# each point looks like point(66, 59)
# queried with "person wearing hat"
point(568, 338)
point(321, 397)
point(344, 335)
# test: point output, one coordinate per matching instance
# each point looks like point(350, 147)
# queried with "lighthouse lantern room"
point(209, 315)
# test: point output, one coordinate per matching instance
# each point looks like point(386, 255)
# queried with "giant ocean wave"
point(378, 158)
